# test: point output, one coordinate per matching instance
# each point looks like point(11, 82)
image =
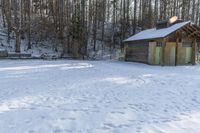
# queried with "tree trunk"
point(18, 39)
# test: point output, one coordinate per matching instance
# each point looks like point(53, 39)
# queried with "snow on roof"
point(156, 33)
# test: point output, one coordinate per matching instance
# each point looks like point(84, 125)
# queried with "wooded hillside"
point(81, 26)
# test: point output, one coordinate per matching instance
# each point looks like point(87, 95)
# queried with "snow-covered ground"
point(98, 97)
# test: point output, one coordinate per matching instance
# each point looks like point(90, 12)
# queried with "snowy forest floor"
point(98, 97)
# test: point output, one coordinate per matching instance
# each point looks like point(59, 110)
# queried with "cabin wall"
point(137, 52)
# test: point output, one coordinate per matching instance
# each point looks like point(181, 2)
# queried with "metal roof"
point(156, 33)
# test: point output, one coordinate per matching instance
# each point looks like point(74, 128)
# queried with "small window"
point(159, 44)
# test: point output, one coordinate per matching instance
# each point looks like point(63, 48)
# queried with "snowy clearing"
point(98, 97)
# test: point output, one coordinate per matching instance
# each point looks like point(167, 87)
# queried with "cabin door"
point(170, 54)
point(188, 52)
point(158, 54)
point(154, 53)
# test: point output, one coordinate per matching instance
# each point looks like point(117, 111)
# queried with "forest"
point(83, 26)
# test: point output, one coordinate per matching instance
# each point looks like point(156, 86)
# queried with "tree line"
point(81, 26)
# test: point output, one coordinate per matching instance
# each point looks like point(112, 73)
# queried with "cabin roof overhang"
point(192, 30)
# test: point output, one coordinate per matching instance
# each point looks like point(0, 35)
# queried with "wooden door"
point(158, 55)
point(170, 54)
point(155, 50)
point(188, 55)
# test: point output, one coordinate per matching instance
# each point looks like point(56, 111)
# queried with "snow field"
point(98, 97)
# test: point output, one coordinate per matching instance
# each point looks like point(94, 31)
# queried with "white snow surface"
point(68, 96)
point(156, 33)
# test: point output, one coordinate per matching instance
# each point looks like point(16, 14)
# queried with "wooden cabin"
point(171, 43)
